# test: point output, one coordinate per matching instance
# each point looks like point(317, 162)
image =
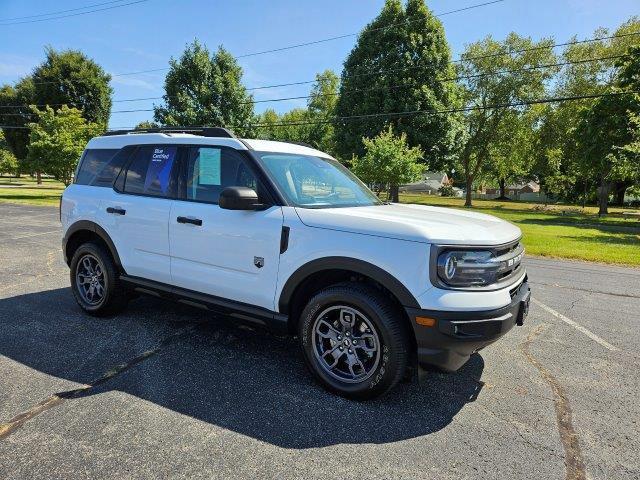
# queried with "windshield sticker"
point(209, 166)
point(160, 167)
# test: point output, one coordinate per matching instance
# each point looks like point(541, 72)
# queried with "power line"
point(329, 39)
point(73, 14)
point(457, 78)
point(450, 79)
point(439, 112)
point(392, 87)
point(379, 72)
point(542, 47)
point(289, 47)
point(418, 112)
point(60, 11)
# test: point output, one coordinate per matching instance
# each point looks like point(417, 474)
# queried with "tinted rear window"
point(96, 164)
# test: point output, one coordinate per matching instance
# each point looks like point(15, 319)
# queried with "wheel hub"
point(346, 344)
point(90, 279)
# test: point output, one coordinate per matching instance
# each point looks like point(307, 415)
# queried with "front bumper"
point(446, 340)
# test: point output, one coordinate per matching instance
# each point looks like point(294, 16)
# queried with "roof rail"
point(202, 131)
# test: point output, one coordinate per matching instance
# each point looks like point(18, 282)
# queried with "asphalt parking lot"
point(164, 391)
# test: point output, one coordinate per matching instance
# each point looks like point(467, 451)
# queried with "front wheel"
point(354, 340)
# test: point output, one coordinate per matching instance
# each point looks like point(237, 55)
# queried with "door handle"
point(193, 221)
point(116, 210)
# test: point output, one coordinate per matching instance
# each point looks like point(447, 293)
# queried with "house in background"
point(516, 190)
point(429, 183)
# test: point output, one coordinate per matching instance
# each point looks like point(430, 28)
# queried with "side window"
point(150, 172)
point(93, 162)
point(211, 169)
point(106, 176)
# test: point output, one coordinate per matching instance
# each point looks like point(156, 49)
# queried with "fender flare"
point(374, 272)
point(86, 225)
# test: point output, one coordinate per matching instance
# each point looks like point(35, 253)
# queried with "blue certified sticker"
point(160, 167)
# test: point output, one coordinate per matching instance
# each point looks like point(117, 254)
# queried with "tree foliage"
point(8, 161)
point(608, 132)
point(557, 160)
point(69, 77)
point(58, 139)
point(511, 149)
point(518, 81)
point(308, 125)
point(13, 100)
point(202, 89)
point(147, 124)
point(388, 160)
point(66, 77)
point(401, 62)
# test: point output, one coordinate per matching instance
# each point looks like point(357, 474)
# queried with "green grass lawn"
point(563, 231)
point(25, 190)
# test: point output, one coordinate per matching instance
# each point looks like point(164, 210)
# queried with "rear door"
point(226, 253)
point(136, 215)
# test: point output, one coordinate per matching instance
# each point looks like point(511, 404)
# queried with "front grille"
point(510, 256)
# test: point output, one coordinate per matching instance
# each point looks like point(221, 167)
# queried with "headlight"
point(478, 268)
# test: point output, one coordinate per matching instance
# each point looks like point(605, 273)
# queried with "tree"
point(322, 106)
point(65, 78)
point(291, 126)
point(518, 81)
point(511, 148)
point(70, 78)
point(58, 139)
point(308, 125)
point(147, 124)
point(388, 160)
point(401, 62)
point(8, 161)
point(607, 133)
point(16, 114)
point(591, 70)
point(205, 90)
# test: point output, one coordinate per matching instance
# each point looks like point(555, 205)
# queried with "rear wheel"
point(354, 340)
point(95, 282)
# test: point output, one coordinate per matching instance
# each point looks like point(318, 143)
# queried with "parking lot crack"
point(56, 399)
point(517, 428)
point(573, 459)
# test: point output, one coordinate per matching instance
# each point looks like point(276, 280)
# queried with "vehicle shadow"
point(246, 381)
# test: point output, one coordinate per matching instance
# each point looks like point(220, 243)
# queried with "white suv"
point(282, 235)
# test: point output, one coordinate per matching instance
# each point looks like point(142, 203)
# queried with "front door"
point(226, 253)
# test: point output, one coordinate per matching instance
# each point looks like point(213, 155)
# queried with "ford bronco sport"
point(284, 236)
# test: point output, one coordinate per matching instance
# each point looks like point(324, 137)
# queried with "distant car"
point(282, 235)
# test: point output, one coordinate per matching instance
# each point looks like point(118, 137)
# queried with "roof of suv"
point(119, 141)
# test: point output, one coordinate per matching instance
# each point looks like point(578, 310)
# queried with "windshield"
point(315, 182)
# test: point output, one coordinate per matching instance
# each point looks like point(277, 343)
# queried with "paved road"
point(164, 391)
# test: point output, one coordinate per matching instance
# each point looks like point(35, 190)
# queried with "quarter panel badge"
point(258, 262)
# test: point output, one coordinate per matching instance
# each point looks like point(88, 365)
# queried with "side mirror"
point(239, 198)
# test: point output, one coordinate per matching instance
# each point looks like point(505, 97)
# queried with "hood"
point(417, 223)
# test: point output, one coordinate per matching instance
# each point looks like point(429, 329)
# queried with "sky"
point(147, 33)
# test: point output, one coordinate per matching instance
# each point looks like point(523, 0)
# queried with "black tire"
point(379, 319)
point(115, 295)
